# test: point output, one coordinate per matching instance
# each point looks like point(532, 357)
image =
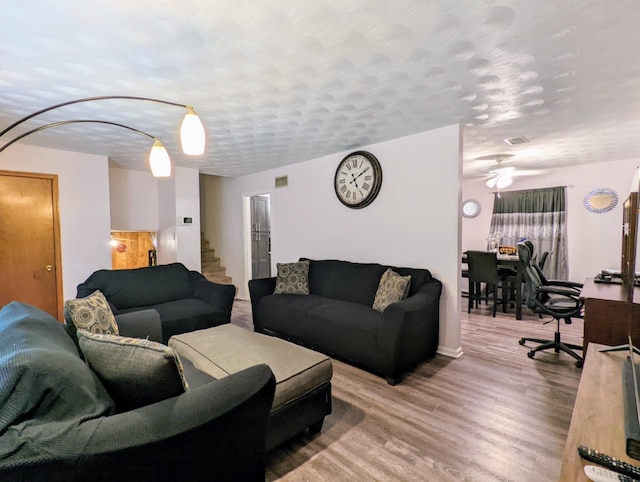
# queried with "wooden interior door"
point(30, 263)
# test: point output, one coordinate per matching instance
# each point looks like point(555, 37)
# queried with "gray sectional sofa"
point(337, 317)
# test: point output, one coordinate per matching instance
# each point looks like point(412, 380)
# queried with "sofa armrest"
point(140, 324)
point(258, 288)
point(410, 328)
point(214, 432)
point(218, 295)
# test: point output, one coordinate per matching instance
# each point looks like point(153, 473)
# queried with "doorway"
point(260, 219)
point(30, 257)
point(133, 249)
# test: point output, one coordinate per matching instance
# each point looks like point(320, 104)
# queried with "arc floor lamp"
point(192, 134)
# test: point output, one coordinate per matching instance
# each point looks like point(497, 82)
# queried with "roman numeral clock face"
point(358, 179)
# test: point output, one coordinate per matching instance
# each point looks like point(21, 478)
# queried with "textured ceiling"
point(283, 81)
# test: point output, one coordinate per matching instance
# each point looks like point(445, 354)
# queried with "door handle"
point(48, 268)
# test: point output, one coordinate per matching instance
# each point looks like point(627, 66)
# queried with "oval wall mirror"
point(600, 200)
point(471, 208)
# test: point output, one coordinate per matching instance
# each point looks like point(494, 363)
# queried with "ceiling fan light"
point(503, 181)
point(159, 160)
point(491, 183)
point(192, 135)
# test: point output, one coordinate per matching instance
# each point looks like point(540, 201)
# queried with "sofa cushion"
point(346, 281)
point(92, 314)
point(292, 278)
point(285, 310)
point(180, 316)
point(135, 371)
point(42, 378)
point(392, 288)
point(139, 287)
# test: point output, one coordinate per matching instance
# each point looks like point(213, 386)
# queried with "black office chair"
point(529, 245)
point(557, 298)
point(543, 260)
point(483, 268)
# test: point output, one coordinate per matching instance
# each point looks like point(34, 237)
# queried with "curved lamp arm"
point(159, 159)
point(192, 133)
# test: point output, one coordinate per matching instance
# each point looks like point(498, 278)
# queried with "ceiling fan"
point(502, 177)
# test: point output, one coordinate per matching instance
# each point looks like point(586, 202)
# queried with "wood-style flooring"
point(493, 414)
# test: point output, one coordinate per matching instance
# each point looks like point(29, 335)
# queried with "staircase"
point(211, 268)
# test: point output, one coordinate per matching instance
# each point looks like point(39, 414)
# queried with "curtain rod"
point(536, 189)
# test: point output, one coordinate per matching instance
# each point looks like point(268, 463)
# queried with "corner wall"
point(414, 221)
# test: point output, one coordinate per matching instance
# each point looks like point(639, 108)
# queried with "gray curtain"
point(538, 215)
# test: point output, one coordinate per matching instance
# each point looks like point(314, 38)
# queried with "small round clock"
point(358, 179)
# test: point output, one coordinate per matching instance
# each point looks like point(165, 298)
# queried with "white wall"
point(594, 240)
point(141, 202)
point(83, 183)
point(414, 221)
point(134, 200)
point(187, 201)
point(167, 242)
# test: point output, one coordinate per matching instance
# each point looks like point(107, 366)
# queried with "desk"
point(511, 261)
point(598, 414)
point(608, 317)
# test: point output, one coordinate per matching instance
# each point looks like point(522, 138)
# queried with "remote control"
point(600, 474)
point(609, 462)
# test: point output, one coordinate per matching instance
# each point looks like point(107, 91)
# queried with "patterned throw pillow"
point(92, 314)
point(392, 288)
point(292, 279)
point(135, 371)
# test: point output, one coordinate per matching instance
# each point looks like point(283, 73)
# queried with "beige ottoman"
point(303, 376)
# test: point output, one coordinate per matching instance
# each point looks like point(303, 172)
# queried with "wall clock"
point(358, 179)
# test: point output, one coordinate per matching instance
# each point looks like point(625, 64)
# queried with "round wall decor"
point(600, 200)
point(471, 208)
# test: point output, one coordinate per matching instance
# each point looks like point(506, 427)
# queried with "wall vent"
point(282, 181)
point(512, 141)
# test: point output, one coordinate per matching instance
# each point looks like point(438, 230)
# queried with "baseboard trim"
point(457, 353)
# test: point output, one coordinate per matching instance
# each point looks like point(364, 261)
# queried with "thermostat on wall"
point(186, 221)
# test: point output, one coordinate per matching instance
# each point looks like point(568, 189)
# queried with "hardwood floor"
point(492, 415)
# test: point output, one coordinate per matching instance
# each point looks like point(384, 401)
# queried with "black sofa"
point(337, 317)
point(184, 299)
point(58, 423)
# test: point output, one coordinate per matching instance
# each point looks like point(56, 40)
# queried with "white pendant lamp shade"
point(192, 134)
point(159, 160)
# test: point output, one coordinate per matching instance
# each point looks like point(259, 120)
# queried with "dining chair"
point(483, 269)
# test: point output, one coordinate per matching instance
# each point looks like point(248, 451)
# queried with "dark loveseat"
point(185, 300)
point(337, 316)
point(59, 423)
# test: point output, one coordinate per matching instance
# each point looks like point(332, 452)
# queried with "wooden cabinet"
point(598, 415)
point(608, 318)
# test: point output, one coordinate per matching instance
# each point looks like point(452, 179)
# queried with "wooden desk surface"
point(606, 291)
point(597, 419)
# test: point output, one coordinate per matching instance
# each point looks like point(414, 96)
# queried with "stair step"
point(210, 264)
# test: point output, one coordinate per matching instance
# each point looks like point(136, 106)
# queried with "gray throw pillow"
point(292, 278)
point(136, 372)
point(92, 314)
point(392, 288)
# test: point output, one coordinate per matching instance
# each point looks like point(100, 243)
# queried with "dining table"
point(511, 261)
